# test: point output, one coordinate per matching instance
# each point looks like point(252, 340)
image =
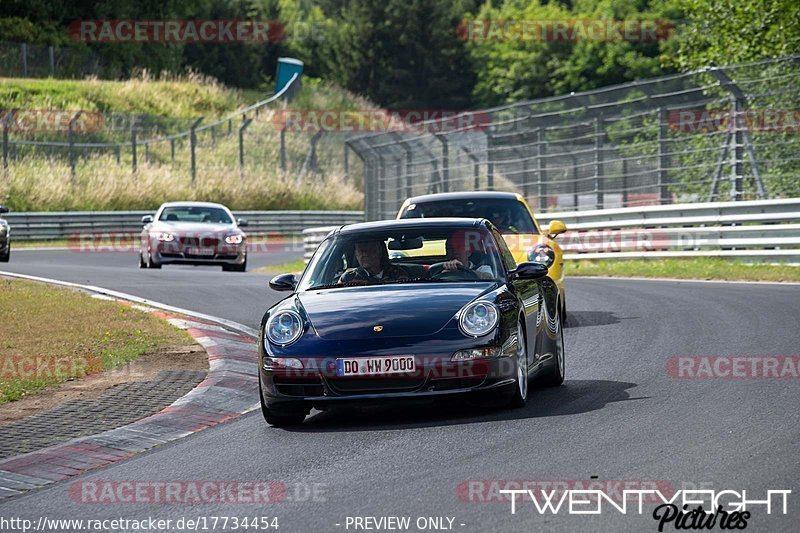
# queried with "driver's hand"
point(453, 264)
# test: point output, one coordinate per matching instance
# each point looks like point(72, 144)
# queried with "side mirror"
point(147, 219)
point(556, 228)
point(284, 282)
point(529, 270)
point(3, 209)
point(242, 222)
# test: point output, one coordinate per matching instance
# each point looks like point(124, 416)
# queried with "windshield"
point(391, 256)
point(508, 216)
point(210, 215)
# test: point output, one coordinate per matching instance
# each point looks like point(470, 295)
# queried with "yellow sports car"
point(510, 214)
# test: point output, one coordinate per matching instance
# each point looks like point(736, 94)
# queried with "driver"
point(460, 246)
point(375, 266)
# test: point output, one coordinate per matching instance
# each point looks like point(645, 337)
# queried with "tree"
point(728, 31)
point(402, 54)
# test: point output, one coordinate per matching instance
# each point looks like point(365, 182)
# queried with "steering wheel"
point(438, 272)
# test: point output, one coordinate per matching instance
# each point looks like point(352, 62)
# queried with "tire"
point(142, 264)
point(277, 418)
point(5, 257)
point(520, 395)
point(556, 377)
point(151, 263)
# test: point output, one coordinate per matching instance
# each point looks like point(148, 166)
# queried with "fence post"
point(346, 162)
point(739, 138)
point(71, 140)
point(283, 148)
point(663, 159)
point(172, 150)
point(541, 173)
point(6, 122)
point(381, 185)
point(737, 154)
point(146, 152)
point(624, 182)
point(575, 198)
point(51, 53)
point(133, 147)
point(445, 163)
point(598, 161)
point(24, 50)
point(489, 162)
point(241, 147)
point(193, 143)
point(117, 152)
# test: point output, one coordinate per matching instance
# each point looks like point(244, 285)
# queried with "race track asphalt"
point(619, 416)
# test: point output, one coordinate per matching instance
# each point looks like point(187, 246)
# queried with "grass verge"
point(282, 268)
point(690, 268)
point(49, 335)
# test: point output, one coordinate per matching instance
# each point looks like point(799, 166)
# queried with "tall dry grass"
point(40, 179)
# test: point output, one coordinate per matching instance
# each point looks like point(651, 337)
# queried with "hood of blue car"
point(401, 310)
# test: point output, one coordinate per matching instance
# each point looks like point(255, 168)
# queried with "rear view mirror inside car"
point(405, 244)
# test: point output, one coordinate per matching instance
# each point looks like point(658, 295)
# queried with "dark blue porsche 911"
point(408, 309)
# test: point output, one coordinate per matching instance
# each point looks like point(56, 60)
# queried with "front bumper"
point(177, 253)
point(318, 385)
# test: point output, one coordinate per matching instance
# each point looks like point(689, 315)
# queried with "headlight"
point(234, 239)
point(166, 237)
point(284, 327)
point(478, 319)
point(542, 254)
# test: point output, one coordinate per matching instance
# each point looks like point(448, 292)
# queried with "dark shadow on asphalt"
point(574, 397)
point(580, 319)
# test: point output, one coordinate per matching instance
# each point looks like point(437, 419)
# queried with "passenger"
point(460, 246)
point(374, 265)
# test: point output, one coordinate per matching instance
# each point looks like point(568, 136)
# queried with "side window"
point(508, 259)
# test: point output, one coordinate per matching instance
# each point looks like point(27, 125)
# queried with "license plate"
point(200, 251)
point(374, 366)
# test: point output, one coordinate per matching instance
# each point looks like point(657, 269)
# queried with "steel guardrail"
point(759, 230)
point(34, 226)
